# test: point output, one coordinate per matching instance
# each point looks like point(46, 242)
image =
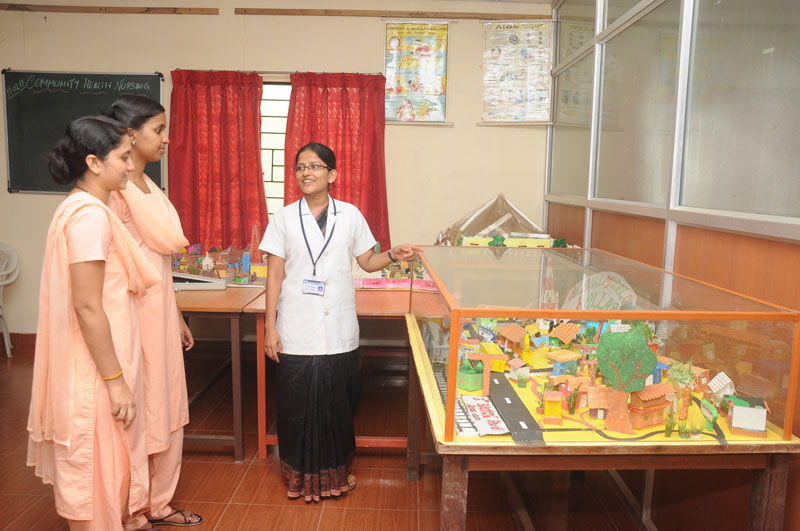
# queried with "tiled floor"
point(251, 495)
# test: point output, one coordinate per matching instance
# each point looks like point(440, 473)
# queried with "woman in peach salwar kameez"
point(86, 433)
point(155, 226)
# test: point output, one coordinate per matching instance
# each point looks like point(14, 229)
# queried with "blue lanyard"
point(303, 228)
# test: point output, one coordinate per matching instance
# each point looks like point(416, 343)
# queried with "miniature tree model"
point(497, 241)
point(625, 361)
point(538, 390)
point(572, 399)
point(671, 420)
point(682, 378)
point(589, 333)
point(644, 326)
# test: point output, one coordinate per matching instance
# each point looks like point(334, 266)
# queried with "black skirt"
point(316, 398)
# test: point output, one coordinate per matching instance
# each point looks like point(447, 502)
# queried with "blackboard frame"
point(39, 105)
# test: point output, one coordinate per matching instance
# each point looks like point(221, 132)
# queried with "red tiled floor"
point(40, 515)
point(264, 485)
point(338, 519)
point(19, 478)
point(219, 454)
point(381, 423)
point(209, 482)
point(379, 489)
point(476, 521)
point(393, 458)
point(260, 517)
point(14, 505)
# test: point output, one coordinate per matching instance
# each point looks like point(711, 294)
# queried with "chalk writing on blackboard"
point(39, 105)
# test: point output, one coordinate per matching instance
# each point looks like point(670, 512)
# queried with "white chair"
point(9, 269)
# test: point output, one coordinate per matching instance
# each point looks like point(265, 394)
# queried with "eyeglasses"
point(312, 167)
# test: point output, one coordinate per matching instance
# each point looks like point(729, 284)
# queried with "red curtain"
point(346, 113)
point(215, 179)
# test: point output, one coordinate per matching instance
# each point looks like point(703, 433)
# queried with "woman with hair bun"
point(156, 228)
point(86, 429)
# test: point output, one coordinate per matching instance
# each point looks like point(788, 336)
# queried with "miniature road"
point(523, 427)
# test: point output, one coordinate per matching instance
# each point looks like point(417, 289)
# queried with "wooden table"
point(370, 303)
point(769, 461)
point(227, 304)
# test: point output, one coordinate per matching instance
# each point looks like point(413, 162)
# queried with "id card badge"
point(313, 287)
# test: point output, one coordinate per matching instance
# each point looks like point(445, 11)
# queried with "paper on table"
point(483, 415)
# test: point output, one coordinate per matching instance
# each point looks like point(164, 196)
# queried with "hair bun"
point(57, 162)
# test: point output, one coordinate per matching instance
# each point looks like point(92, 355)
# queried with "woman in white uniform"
point(312, 329)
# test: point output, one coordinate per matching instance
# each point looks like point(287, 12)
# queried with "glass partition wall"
point(680, 110)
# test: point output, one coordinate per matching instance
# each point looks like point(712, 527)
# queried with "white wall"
point(435, 174)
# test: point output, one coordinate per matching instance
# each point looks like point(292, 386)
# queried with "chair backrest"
point(9, 264)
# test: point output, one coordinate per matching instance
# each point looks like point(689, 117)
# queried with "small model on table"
point(747, 416)
point(564, 361)
point(511, 338)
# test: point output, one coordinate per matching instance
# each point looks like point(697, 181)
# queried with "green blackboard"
point(39, 105)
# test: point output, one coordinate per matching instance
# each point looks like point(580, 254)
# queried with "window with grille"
point(274, 109)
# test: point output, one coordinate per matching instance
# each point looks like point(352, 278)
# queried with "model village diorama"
point(249, 266)
point(548, 381)
point(236, 266)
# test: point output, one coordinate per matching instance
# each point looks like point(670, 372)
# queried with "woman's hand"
point(272, 343)
point(187, 340)
point(123, 407)
point(404, 252)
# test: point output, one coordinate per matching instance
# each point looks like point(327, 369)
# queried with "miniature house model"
point(436, 341)
point(647, 406)
point(748, 416)
point(722, 386)
point(565, 332)
point(498, 365)
point(518, 368)
point(579, 384)
point(552, 407)
point(599, 399)
point(511, 337)
point(564, 361)
point(658, 373)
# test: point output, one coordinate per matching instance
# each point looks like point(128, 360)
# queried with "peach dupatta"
point(157, 222)
point(52, 394)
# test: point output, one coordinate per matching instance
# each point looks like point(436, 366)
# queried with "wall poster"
point(516, 72)
point(416, 72)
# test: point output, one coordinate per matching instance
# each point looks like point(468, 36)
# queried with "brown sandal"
point(187, 519)
point(351, 482)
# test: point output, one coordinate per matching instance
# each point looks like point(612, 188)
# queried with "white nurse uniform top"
point(311, 324)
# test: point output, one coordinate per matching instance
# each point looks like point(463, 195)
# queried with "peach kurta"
point(155, 226)
point(65, 439)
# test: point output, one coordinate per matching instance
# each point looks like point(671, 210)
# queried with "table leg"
point(455, 476)
point(262, 387)
point(768, 495)
point(236, 376)
point(413, 442)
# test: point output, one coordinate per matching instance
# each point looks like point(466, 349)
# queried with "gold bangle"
point(112, 377)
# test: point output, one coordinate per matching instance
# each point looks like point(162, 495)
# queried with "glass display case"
point(518, 346)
